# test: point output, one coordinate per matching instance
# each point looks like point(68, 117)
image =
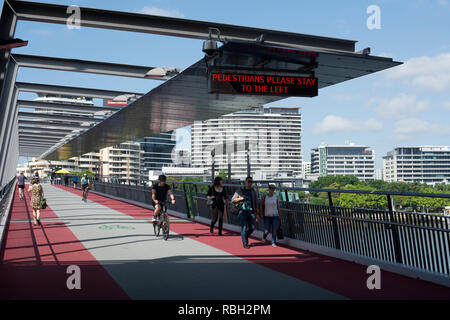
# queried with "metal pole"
point(187, 202)
point(334, 222)
point(229, 167)
point(248, 164)
point(286, 194)
point(212, 167)
point(395, 235)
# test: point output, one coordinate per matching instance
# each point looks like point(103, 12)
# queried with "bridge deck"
point(120, 258)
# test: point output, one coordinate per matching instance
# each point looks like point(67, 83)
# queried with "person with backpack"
point(247, 214)
point(270, 212)
point(217, 196)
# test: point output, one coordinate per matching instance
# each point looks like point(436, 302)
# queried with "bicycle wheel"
point(166, 228)
point(156, 228)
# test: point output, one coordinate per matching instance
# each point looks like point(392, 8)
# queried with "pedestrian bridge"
point(113, 244)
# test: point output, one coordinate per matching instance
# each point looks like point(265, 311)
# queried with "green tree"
point(362, 200)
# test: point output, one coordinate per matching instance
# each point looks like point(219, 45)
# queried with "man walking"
point(21, 184)
point(250, 208)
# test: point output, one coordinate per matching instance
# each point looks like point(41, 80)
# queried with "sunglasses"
point(271, 188)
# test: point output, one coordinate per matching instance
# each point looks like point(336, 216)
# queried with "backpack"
point(236, 207)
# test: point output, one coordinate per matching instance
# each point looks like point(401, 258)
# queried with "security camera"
point(210, 46)
point(365, 51)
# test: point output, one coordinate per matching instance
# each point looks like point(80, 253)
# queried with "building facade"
point(122, 163)
point(306, 168)
point(157, 151)
point(272, 137)
point(424, 164)
point(347, 159)
point(44, 168)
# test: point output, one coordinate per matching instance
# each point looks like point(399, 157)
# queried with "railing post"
point(337, 241)
point(187, 202)
point(395, 235)
point(286, 194)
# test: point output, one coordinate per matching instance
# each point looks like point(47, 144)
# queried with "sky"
point(406, 105)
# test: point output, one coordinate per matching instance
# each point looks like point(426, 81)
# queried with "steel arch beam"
point(83, 66)
point(42, 135)
point(27, 130)
point(135, 22)
point(35, 115)
point(44, 124)
point(71, 91)
point(43, 139)
point(63, 106)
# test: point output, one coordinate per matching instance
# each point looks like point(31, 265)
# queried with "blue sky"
point(407, 105)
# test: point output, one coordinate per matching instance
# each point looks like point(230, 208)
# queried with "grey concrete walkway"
point(147, 267)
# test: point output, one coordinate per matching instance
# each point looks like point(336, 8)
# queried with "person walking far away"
point(66, 180)
point(270, 212)
point(75, 181)
point(85, 183)
point(37, 193)
point(219, 204)
point(159, 194)
point(249, 208)
point(21, 185)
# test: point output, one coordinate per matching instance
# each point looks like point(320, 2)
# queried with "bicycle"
point(162, 222)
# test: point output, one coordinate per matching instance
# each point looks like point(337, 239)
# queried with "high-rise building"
point(425, 164)
point(122, 163)
point(306, 168)
point(158, 151)
point(273, 136)
point(89, 161)
point(348, 159)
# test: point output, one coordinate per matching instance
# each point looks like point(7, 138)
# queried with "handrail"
point(371, 192)
point(417, 240)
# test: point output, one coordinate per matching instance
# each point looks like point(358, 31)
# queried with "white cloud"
point(412, 126)
point(429, 73)
point(443, 2)
point(447, 105)
point(332, 124)
point(400, 106)
point(162, 12)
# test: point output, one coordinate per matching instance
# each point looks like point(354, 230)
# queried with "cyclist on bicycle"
point(85, 183)
point(159, 194)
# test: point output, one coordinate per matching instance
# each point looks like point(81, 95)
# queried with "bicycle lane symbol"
point(116, 227)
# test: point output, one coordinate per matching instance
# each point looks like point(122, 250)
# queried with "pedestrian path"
point(120, 258)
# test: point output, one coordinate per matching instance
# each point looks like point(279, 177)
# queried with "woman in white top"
point(270, 209)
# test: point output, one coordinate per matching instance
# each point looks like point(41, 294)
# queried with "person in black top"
point(21, 185)
point(218, 195)
point(159, 194)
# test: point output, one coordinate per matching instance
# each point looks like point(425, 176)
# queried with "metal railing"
point(4, 193)
point(417, 240)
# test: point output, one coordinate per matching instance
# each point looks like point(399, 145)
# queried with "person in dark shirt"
point(250, 209)
point(159, 194)
point(218, 195)
point(75, 181)
point(21, 184)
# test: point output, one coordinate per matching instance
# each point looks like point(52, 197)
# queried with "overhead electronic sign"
point(263, 84)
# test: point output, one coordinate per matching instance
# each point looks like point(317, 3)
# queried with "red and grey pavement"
point(120, 258)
